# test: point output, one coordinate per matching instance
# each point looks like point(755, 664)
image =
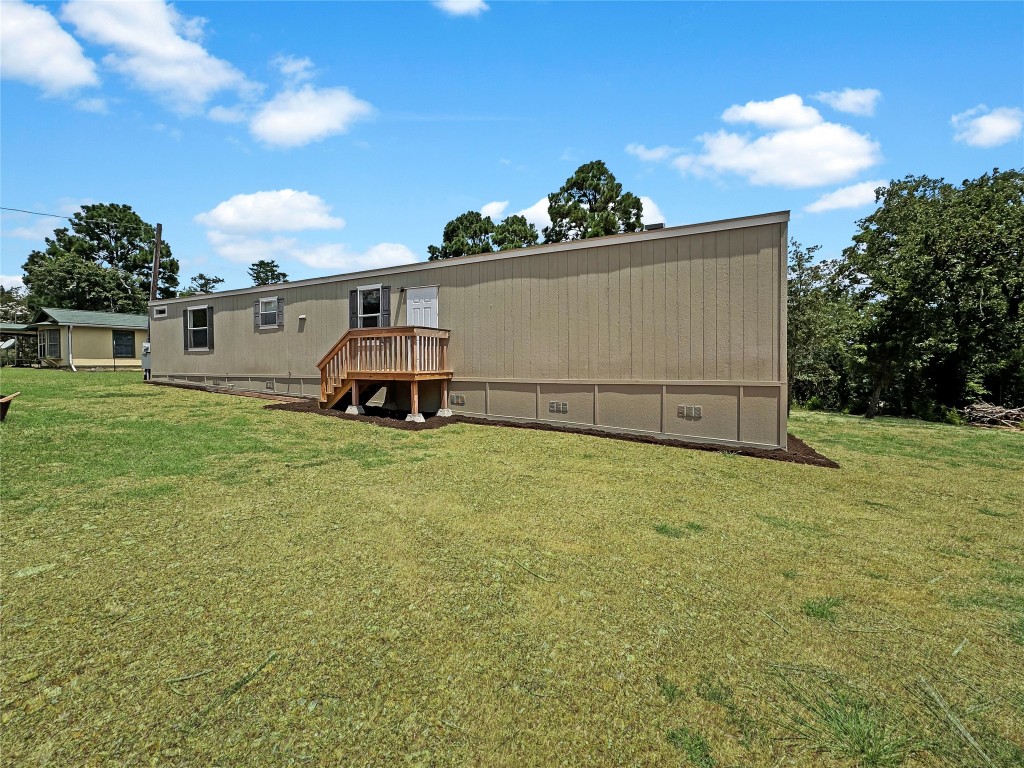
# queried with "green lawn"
point(190, 579)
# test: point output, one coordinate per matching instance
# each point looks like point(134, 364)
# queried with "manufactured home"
point(677, 332)
point(73, 338)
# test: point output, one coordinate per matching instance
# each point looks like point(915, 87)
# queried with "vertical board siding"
point(696, 246)
point(696, 307)
point(736, 304)
point(721, 340)
point(750, 304)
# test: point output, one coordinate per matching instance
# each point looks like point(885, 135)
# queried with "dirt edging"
point(798, 452)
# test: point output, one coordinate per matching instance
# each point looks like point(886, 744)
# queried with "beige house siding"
point(623, 329)
point(94, 348)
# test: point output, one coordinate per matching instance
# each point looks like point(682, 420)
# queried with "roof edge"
point(756, 220)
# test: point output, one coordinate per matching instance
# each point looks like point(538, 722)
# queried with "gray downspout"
point(71, 354)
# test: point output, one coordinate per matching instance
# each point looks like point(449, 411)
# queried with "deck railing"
point(375, 353)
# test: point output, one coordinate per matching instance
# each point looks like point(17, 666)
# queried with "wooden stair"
point(400, 353)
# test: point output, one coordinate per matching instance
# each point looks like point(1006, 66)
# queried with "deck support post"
point(355, 409)
point(445, 411)
point(414, 402)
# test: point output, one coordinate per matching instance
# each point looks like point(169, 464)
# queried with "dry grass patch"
point(190, 579)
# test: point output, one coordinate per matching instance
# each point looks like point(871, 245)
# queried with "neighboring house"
point(74, 338)
point(676, 332)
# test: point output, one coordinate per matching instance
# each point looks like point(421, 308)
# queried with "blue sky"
point(333, 137)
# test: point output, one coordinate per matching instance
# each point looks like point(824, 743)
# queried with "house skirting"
point(749, 413)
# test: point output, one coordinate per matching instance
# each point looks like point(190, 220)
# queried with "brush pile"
point(987, 415)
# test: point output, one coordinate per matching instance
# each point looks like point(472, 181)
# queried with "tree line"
point(921, 314)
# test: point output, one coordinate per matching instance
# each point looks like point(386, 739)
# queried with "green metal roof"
point(14, 327)
point(87, 318)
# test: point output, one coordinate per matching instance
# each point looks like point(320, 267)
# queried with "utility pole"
point(156, 262)
point(152, 297)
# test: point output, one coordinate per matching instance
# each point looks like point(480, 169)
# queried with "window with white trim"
point(159, 311)
point(49, 344)
point(369, 306)
point(198, 327)
point(268, 312)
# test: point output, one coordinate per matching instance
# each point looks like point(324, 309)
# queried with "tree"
point(591, 203)
point(472, 233)
point(103, 262)
point(938, 272)
point(13, 306)
point(823, 326)
point(202, 284)
point(514, 232)
point(464, 235)
point(266, 272)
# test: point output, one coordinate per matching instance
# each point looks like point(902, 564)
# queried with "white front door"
point(421, 306)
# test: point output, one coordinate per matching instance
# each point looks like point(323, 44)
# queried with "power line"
point(142, 226)
point(35, 213)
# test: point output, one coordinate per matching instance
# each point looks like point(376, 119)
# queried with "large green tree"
point(266, 272)
point(823, 354)
point(938, 273)
point(103, 262)
point(514, 232)
point(472, 233)
point(591, 203)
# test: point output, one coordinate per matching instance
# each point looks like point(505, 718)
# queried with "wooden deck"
point(401, 353)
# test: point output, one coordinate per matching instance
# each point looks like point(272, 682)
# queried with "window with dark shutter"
point(268, 312)
point(369, 305)
point(385, 306)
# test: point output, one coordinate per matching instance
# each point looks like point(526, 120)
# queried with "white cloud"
point(462, 7)
point(853, 196)
point(157, 49)
point(36, 50)
point(825, 153)
point(537, 214)
point(652, 213)
point(299, 116)
point(341, 258)
point(246, 250)
point(327, 257)
point(783, 112)
point(855, 101)
point(981, 127)
point(12, 281)
point(651, 154)
point(495, 209)
point(281, 210)
point(294, 69)
point(235, 223)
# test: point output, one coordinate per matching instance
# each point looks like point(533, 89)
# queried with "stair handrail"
point(396, 330)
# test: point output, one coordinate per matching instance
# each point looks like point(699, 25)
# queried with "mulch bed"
point(798, 451)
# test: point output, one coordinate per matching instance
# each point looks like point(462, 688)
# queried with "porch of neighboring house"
point(365, 360)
